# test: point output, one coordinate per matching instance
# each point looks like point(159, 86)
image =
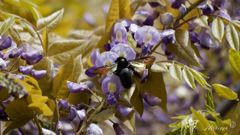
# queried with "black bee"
point(123, 68)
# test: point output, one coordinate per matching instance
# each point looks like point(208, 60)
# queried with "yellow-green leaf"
point(155, 80)
point(31, 7)
point(236, 24)
point(104, 115)
point(28, 27)
point(6, 24)
point(77, 98)
point(41, 108)
point(45, 40)
point(92, 44)
point(234, 59)
point(232, 37)
point(36, 98)
point(188, 77)
point(201, 21)
point(235, 124)
point(65, 48)
point(59, 87)
point(137, 99)
point(128, 121)
point(225, 92)
point(144, 1)
point(218, 29)
point(17, 107)
point(4, 94)
point(159, 67)
point(183, 49)
point(35, 88)
point(199, 79)
point(50, 21)
point(202, 124)
point(126, 94)
point(20, 121)
point(78, 68)
point(176, 72)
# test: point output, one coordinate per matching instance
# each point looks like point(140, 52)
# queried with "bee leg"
point(134, 72)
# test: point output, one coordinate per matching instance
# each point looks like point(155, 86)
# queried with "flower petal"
point(124, 50)
point(106, 58)
point(119, 33)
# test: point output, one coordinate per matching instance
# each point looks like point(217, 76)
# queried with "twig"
point(73, 128)
point(94, 95)
point(14, 63)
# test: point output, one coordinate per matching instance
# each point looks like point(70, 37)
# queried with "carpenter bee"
point(123, 68)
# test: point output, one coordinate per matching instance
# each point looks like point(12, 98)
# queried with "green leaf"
point(176, 72)
point(199, 79)
point(78, 68)
point(6, 25)
point(202, 124)
point(59, 87)
point(232, 37)
point(159, 67)
point(36, 98)
point(143, 1)
point(104, 115)
point(41, 108)
point(119, 9)
point(126, 94)
point(92, 44)
point(155, 80)
point(201, 21)
point(196, 51)
point(128, 121)
point(20, 121)
point(218, 29)
point(51, 21)
point(234, 130)
point(188, 77)
point(65, 48)
point(16, 108)
point(77, 98)
point(28, 27)
point(183, 49)
point(225, 92)
point(209, 99)
point(4, 94)
point(234, 59)
point(236, 24)
point(45, 82)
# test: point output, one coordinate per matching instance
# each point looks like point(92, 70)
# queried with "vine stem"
point(73, 128)
point(58, 117)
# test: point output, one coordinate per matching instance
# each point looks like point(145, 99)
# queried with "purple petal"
point(80, 106)
point(81, 114)
point(18, 52)
point(75, 87)
point(89, 18)
point(177, 3)
point(63, 104)
point(223, 13)
point(150, 99)
point(106, 58)
point(89, 84)
point(94, 129)
point(182, 9)
point(144, 77)
point(25, 69)
point(146, 49)
point(112, 84)
point(219, 3)
point(89, 72)
point(21, 77)
point(31, 55)
point(118, 130)
point(206, 41)
point(143, 13)
point(94, 56)
point(124, 50)
point(10, 50)
point(6, 43)
point(119, 33)
point(191, 26)
point(133, 28)
point(154, 4)
point(194, 37)
point(109, 46)
point(147, 35)
point(125, 22)
point(53, 70)
point(105, 8)
point(38, 74)
point(166, 18)
point(26, 47)
point(123, 110)
point(149, 21)
point(207, 9)
point(59, 125)
point(72, 113)
point(111, 99)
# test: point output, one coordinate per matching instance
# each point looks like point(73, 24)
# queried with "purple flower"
point(110, 45)
point(2, 64)
point(39, 58)
point(94, 129)
point(133, 28)
point(124, 50)
point(118, 130)
point(21, 77)
point(89, 72)
point(176, 3)
point(154, 4)
point(146, 49)
point(194, 37)
point(106, 58)
point(119, 33)
point(150, 19)
point(207, 8)
point(63, 104)
point(150, 99)
point(9, 50)
point(38, 74)
point(223, 13)
point(94, 56)
point(207, 42)
point(31, 55)
point(182, 9)
point(25, 69)
point(59, 125)
point(147, 35)
point(26, 47)
point(166, 18)
point(81, 114)
point(89, 18)
point(112, 84)
point(123, 110)
point(3, 114)
point(168, 36)
point(111, 99)
point(72, 113)
point(75, 87)
point(6, 43)
point(105, 8)
point(144, 77)
point(125, 22)
point(219, 3)
point(17, 53)
point(191, 26)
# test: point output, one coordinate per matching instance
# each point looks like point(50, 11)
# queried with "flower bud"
point(176, 3)
point(89, 84)
point(166, 18)
point(6, 43)
point(144, 76)
point(80, 106)
point(25, 69)
point(21, 77)
point(59, 125)
point(38, 74)
point(150, 99)
point(2, 64)
point(63, 104)
point(75, 87)
point(123, 110)
point(81, 114)
point(31, 55)
point(89, 18)
point(146, 49)
point(94, 129)
point(194, 37)
point(89, 72)
point(154, 4)
point(182, 9)
point(111, 99)
point(207, 8)
point(16, 53)
point(118, 130)
point(72, 113)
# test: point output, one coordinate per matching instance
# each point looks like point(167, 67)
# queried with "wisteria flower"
point(168, 36)
point(124, 50)
point(119, 33)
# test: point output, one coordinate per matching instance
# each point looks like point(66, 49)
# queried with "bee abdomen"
point(125, 76)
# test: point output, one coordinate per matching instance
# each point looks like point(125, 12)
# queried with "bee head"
point(122, 62)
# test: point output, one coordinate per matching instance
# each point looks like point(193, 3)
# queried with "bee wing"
point(142, 61)
point(107, 69)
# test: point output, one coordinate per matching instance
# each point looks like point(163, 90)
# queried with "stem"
point(73, 128)
point(90, 118)
point(111, 121)
point(79, 125)
point(90, 107)
point(14, 63)
point(160, 53)
point(94, 95)
point(58, 117)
